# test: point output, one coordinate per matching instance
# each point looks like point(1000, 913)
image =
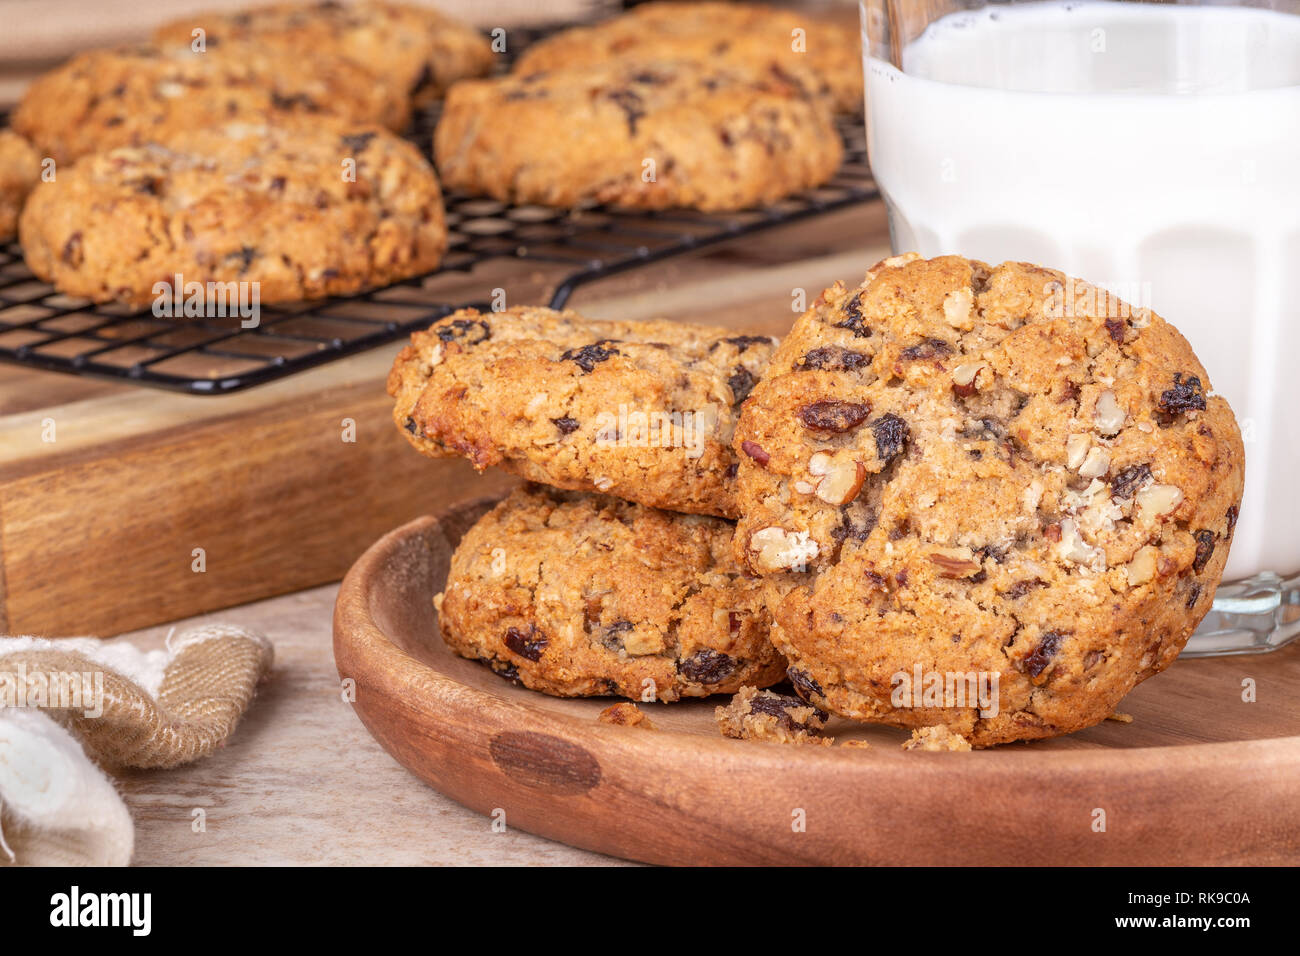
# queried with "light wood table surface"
point(301, 782)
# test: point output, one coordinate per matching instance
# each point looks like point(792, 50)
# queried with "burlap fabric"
point(56, 806)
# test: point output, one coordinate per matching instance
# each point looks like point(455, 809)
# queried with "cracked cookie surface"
point(103, 99)
point(643, 410)
point(997, 471)
point(585, 595)
point(20, 168)
point(643, 135)
point(739, 33)
point(240, 203)
point(417, 51)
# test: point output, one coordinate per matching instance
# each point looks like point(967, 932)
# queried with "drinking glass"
point(1152, 149)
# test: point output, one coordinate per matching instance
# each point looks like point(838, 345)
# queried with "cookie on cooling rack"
point(643, 410)
point(20, 167)
point(303, 209)
point(102, 99)
point(583, 595)
point(755, 714)
point(957, 469)
point(416, 51)
point(737, 33)
point(640, 135)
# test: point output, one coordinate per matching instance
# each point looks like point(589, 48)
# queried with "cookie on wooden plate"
point(955, 472)
point(745, 34)
point(416, 51)
point(638, 134)
point(303, 210)
point(585, 595)
point(643, 410)
point(130, 96)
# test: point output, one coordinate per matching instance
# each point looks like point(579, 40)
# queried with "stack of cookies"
point(978, 503)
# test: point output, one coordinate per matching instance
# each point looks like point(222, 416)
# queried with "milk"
point(1152, 149)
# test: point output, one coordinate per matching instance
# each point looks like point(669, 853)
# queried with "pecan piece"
point(954, 562)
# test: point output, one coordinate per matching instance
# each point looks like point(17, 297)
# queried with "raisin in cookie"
point(755, 714)
point(417, 51)
point(735, 33)
point(986, 471)
point(131, 96)
point(302, 209)
point(642, 410)
point(643, 135)
point(582, 595)
point(20, 167)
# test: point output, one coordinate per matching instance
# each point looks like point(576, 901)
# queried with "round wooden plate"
point(1201, 776)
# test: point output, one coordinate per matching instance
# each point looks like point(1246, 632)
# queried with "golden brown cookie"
point(135, 95)
point(20, 168)
point(303, 210)
point(583, 595)
point(418, 52)
point(643, 135)
point(960, 473)
point(642, 410)
point(738, 33)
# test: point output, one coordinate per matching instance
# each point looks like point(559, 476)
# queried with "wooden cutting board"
point(1201, 776)
point(148, 506)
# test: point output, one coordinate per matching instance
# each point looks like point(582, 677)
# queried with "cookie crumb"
point(625, 715)
point(856, 744)
point(936, 739)
point(1121, 718)
point(755, 714)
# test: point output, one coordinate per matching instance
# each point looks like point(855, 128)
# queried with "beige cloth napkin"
point(71, 708)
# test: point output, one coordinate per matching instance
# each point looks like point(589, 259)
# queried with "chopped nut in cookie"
point(625, 714)
point(936, 739)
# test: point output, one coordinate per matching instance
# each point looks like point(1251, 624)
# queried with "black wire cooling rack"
point(42, 328)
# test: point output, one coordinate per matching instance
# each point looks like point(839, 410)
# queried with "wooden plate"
point(1199, 777)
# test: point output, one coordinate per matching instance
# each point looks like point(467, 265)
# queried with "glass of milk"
point(1152, 149)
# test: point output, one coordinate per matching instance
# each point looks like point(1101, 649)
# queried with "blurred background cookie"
point(743, 34)
point(417, 52)
point(243, 202)
point(639, 134)
point(135, 95)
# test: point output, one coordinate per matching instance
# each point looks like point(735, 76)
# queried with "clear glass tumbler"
point(1151, 148)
